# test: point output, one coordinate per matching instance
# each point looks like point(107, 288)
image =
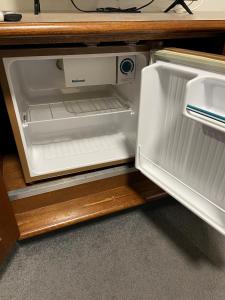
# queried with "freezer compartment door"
point(181, 131)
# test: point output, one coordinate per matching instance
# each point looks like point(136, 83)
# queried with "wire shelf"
point(75, 108)
point(84, 106)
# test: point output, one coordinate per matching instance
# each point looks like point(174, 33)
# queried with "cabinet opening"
point(74, 127)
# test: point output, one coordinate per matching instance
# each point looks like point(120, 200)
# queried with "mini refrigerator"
point(85, 110)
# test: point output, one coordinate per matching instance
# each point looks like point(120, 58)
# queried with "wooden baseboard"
point(50, 211)
point(60, 208)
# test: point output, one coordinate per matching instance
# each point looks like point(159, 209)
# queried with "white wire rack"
point(94, 105)
point(75, 108)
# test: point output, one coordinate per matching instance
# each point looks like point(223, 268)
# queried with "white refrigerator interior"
point(76, 111)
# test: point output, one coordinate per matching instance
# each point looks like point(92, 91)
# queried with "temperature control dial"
point(127, 66)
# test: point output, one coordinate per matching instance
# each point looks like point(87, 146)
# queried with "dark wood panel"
point(8, 227)
point(223, 49)
point(39, 214)
point(69, 32)
point(76, 49)
point(12, 172)
point(67, 28)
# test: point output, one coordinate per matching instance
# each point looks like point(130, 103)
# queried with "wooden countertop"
point(50, 28)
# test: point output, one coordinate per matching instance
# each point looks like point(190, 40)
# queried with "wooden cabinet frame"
point(9, 231)
point(35, 215)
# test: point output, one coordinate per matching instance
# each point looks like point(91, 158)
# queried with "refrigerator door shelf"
point(204, 101)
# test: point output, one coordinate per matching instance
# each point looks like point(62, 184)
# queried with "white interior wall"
point(65, 5)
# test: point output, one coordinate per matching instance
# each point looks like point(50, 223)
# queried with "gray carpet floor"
point(161, 251)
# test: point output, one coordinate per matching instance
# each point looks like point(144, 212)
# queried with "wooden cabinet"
point(34, 214)
point(55, 203)
point(38, 209)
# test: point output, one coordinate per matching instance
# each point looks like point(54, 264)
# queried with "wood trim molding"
point(70, 32)
point(95, 28)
